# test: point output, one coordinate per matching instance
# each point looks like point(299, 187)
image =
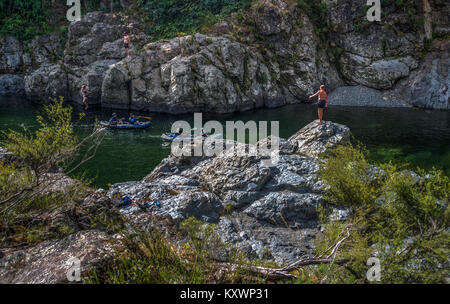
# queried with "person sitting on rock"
point(323, 102)
point(133, 119)
point(84, 94)
point(126, 43)
point(114, 120)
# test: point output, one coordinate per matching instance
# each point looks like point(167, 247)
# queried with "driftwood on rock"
point(285, 273)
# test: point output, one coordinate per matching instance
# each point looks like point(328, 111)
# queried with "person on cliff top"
point(114, 120)
point(322, 103)
point(126, 43)
point(84, 94)
point(133, 119)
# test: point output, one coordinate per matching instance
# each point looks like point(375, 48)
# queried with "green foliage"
point(347, 175)
point(169, 18)
point(27, 19)
point(22, 19)
point(34, 155)
point(51, 145)
point(149, 257)
point(400, 217)
point(317, 11)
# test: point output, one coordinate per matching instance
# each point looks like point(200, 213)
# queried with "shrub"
point(169, 18)
point(150, 257)
point(25, 180)
point(398, 216)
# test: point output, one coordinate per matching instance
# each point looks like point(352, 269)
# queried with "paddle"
point(145, 117)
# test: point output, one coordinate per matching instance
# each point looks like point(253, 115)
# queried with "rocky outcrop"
point(269, 212)
point(32, 67)
point(429, 85)
point(387, 55)
point(192, 73)
point(72, 231)
point(51, 261)
point(314, 140)
point(50, 80)
point(93, 45)
point(374, 54)
point(46, 49)
point(11, 85)
point(98, 36)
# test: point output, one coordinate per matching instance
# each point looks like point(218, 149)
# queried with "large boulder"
point(387, 55)
point(373, 54)
point(316, 139)
point(267, 211)
point(50, 80)
point(97, 36)
point(116, 87)
point(429, 85)
point(378, 74)
point(71, 231)
point(51, 261)
point(23, 57)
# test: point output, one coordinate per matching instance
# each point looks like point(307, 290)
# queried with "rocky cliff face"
point(393, 55)
point(267, 57)
point(269, 212)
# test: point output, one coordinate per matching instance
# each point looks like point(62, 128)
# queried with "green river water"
point(418, 137)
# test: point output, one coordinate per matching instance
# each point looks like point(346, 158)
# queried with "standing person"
point(323, 102)
point(84, 94)
point(126, 43)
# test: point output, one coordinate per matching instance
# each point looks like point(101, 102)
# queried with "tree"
point(37, 154)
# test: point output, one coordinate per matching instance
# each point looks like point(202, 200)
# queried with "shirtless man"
point(84, 93)
point(126, 43)
point(323, 102)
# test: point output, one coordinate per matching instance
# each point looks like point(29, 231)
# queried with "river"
point(418, 137)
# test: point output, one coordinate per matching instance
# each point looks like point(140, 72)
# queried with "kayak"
point(142, 125)
point(168, 136)
point(171, 136)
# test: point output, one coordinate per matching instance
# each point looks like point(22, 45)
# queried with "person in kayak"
point(114, 120)
point(133, 119)
point(84, 94)
point(322, 103)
